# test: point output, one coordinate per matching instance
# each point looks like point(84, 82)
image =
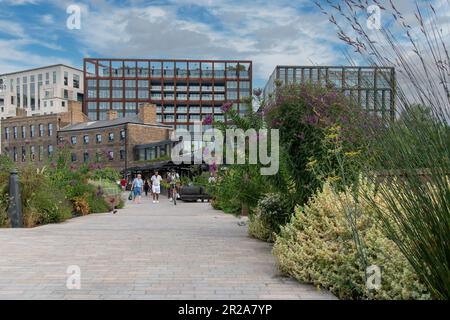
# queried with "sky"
point(33, 33)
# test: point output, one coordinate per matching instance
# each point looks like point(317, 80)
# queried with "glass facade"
point(373, 88)
point(179, 88)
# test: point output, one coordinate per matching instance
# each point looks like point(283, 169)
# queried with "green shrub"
point(318, 247)
point(42, 201)
point(272, 212)
point(304, 114)
point(97, 203)
point(258, 230)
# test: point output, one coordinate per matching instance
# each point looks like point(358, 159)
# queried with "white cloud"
point(268, 34)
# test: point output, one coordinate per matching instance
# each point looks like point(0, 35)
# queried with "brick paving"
point(145, 251)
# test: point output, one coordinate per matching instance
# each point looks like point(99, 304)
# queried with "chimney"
point(73, 115)
point(111, 115)
point(147, 113)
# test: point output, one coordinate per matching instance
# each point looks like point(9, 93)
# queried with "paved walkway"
point(146, 251)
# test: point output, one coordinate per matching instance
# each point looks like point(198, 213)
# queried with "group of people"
point(139, 186)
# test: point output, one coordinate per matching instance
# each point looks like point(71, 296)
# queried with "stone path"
point(146, 251)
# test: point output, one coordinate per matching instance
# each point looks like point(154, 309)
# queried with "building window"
point(54, 77)
point(66, 94)
point(41, 153)
point(41, 130)
point(86, 156)
point(15, 132)
point(15, 154)
point(66, 78)
point(98, 138)
point(122, 134)
point(24, 154)
point(76, 81)
point(24, 132)
point(111, 136)
point(86, 139)
point(122, 154)
point(32, 153)
point(50, 150)
point(110, 155)
point(73, 139)
point(74, 157)
point(32, 131)
point(7, 134)
point(50, 129)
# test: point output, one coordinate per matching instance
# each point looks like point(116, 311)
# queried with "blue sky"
point(34, 33)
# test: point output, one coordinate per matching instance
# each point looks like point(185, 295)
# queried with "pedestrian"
point(137, 187)
point(156, 186)
point(123, 184)
point(146, 187)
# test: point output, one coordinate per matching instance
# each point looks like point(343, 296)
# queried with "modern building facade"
point(373, 88)
point(184, 91)
point(40, 91)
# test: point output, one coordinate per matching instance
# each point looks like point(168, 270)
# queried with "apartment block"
point(184, 91)
point(40, 91)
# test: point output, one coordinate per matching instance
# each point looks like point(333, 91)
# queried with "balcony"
point(169, 88)
point(169, 97)
point(181, 88)
point(182, 97)
point(156, 88)
point(155, 96)
point(194, 89)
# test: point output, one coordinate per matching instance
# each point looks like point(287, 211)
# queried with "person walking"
point(137, 187)
point(146, 187)
point(156, 186)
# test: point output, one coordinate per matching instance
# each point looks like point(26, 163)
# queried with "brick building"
point(34, 138)
point(114, 142)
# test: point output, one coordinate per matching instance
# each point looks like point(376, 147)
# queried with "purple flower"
point(208, 120)
point(226, 107)
point(213, 167)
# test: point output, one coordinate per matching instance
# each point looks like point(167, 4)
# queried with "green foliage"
point(97, 203)
point(305, 114)
point(416, 210)
point(257, 229)
point(42, 201)
point(239, 185)
point(317, 246)
point(105, 174)
point(272, 212)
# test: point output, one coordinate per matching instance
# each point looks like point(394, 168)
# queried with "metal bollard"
point(15, 201)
